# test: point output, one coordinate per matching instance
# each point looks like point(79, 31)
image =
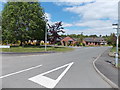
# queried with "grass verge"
point(119, 65)
point(113, 51)
point(36, 49)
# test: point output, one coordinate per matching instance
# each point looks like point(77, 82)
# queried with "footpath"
point(105, 65)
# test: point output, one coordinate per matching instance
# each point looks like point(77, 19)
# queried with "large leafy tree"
point(23, 21)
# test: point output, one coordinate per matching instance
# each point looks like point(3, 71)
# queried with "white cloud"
point(94, 24)
point(67, 24)
point(78, 2)
point(92, 14)
point(97, 31)
point(71, 2)
point(48, 16)
point(96, 10)
point(3, 1)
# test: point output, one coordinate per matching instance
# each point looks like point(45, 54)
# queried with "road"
point(58, 70)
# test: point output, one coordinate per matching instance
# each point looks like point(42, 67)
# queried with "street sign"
point(4, 46)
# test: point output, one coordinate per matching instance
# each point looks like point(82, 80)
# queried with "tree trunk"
point(21, 43)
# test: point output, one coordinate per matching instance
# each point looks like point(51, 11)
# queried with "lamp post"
point(46, 35)
point(117, 41)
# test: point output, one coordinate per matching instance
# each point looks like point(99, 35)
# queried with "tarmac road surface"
point(57, 70)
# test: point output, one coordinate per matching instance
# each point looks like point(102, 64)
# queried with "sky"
point(82, 16)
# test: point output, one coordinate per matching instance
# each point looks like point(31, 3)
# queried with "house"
point(94, 41)
point(68, 41)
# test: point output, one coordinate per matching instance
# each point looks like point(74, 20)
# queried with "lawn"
point(36, 49)
point(113, 50)
point(119, 65)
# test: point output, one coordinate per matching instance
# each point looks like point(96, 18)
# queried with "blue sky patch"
point(87, 17)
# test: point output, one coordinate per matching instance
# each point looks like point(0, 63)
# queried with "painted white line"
point(112, 84)
point(48, 82)
point(20, 71)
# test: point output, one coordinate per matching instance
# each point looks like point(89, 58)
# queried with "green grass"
point(36, 49)
point(119, 65)
point(113, 49)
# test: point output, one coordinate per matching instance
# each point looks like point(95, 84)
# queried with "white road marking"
point(48, 82)
point(20, 71)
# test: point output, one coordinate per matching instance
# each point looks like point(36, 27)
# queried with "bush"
point(83, 44)
point(77, 44)
point(58, 43)
point(18, 42)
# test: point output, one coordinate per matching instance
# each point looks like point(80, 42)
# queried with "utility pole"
point(117, 42)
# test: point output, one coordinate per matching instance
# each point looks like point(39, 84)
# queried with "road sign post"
point(46, 33)
point(46, 38)
point(117, 42)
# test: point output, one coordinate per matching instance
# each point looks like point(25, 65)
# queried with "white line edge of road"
point(19, 71)
point(112, 84)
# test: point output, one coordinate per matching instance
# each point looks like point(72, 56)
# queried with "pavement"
point(105, 64)
point(56, 70)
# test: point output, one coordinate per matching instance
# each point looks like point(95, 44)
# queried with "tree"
point(54, 30)
point(0, 19)
point(111, 39)
point(0, 29)
point(81, 37)
point(100, 35)
point(23, 21)
point(94, 36)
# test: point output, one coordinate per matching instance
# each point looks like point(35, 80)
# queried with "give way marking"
point(48, 82)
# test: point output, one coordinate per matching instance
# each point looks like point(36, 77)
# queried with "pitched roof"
point(67, 39)
point(94, 40)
